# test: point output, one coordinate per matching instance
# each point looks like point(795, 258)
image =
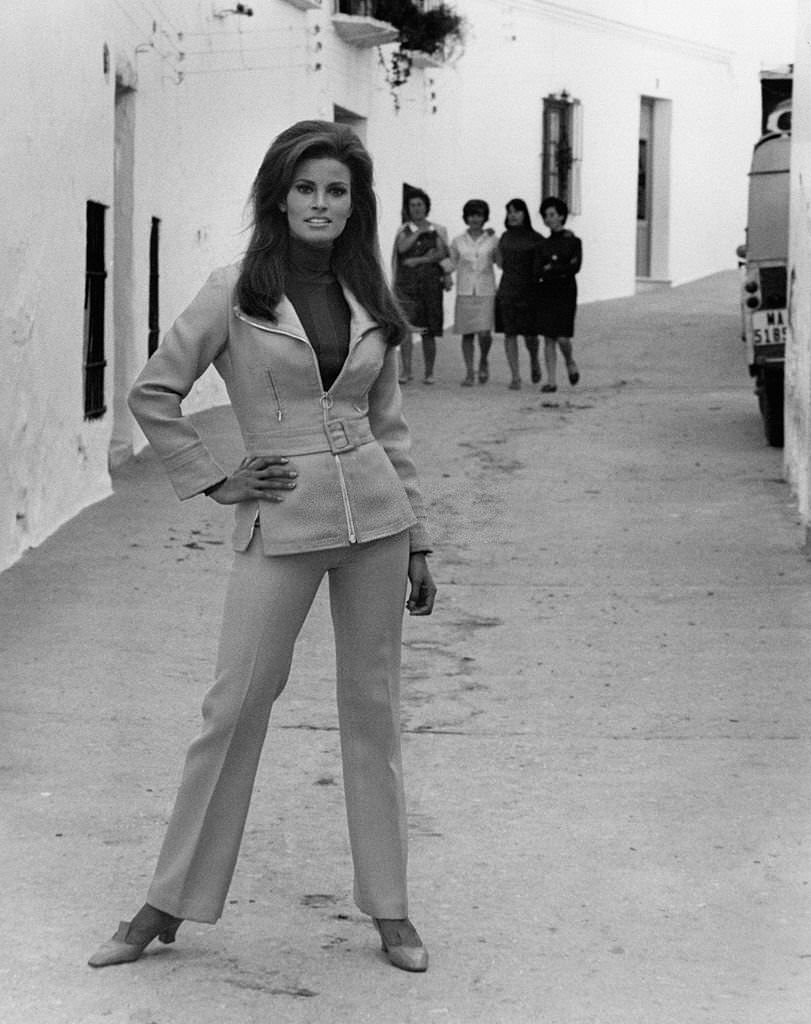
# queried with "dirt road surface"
point(606, 721)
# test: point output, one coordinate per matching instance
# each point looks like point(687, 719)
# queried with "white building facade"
point(797, 450)
point(132, 130)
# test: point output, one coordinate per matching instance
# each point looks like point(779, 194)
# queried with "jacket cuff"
point(193, 471)
point(419, 540)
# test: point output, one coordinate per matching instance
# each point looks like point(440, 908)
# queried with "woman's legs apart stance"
point(268, 599)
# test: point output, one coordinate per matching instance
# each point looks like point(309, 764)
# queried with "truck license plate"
point(770, 327)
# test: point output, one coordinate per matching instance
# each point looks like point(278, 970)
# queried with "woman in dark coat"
point(516, 298)
point(561, 256)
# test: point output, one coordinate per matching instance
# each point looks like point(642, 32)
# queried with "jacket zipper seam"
point(326, 403)
point(350, 522)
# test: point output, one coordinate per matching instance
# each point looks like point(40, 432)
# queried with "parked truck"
point(764, 255)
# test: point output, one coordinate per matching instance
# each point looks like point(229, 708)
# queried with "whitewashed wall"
point(797, 451)
point(56, 155)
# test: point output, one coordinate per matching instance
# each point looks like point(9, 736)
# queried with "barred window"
point(95, 280)
point(153, 312)
point(562, 152)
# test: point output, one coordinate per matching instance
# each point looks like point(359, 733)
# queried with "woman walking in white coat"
point(473, 256)
point(304, 333)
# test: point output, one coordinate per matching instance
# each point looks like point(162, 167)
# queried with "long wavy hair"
point(356, 258)
point(519, 204)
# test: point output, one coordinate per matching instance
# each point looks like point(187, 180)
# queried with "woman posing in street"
point(560, 258)
point(304, 333)
point(421, 271)
point(517, 296)
point(473, 255)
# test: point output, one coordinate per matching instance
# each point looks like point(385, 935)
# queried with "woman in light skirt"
point(473, 255)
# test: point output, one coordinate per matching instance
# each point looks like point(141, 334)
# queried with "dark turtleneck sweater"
point(319, 301)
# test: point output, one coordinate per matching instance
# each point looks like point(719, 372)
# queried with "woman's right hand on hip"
point(260, 477)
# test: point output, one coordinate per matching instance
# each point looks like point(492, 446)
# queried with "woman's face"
point(319, 202)
point(417, 210)
point(475, 221)
point(515, 217)
point(553, 220)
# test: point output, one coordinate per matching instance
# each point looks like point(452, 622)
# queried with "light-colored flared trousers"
point(267, 601)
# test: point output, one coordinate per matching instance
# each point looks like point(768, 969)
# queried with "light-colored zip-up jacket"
point(474, 259)
point(350, 445)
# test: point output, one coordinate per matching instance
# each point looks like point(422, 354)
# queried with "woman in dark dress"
point(516, 298)
point(421, 272)
point(561, 256)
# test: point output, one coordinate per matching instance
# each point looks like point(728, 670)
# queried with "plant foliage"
point(436, 31)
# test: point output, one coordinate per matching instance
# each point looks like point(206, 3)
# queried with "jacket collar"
point(288, 319)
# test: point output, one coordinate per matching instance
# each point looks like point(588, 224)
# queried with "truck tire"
point(770, 399)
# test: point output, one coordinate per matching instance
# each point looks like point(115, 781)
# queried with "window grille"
point(95, 278)
point(562, 151)
point(153, 319)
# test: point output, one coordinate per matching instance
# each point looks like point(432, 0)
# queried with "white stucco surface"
point(797, 452)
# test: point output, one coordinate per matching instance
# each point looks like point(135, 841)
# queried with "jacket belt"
point(335, 436)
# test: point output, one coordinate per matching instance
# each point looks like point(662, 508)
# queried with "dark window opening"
point(642, 203)
point(153, 319)
point(773, 287)
point(95, 278)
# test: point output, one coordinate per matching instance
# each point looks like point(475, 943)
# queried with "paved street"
point(606, 721)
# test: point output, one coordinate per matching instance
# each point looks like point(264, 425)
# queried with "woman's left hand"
point(423, 589)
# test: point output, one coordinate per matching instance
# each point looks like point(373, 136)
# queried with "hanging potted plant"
point(425, 36)
point(435, 32)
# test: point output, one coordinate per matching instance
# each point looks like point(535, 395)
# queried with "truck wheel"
point(770, 399)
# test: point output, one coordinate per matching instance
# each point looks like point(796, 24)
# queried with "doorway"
point(653, 193)
point(644, 185)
